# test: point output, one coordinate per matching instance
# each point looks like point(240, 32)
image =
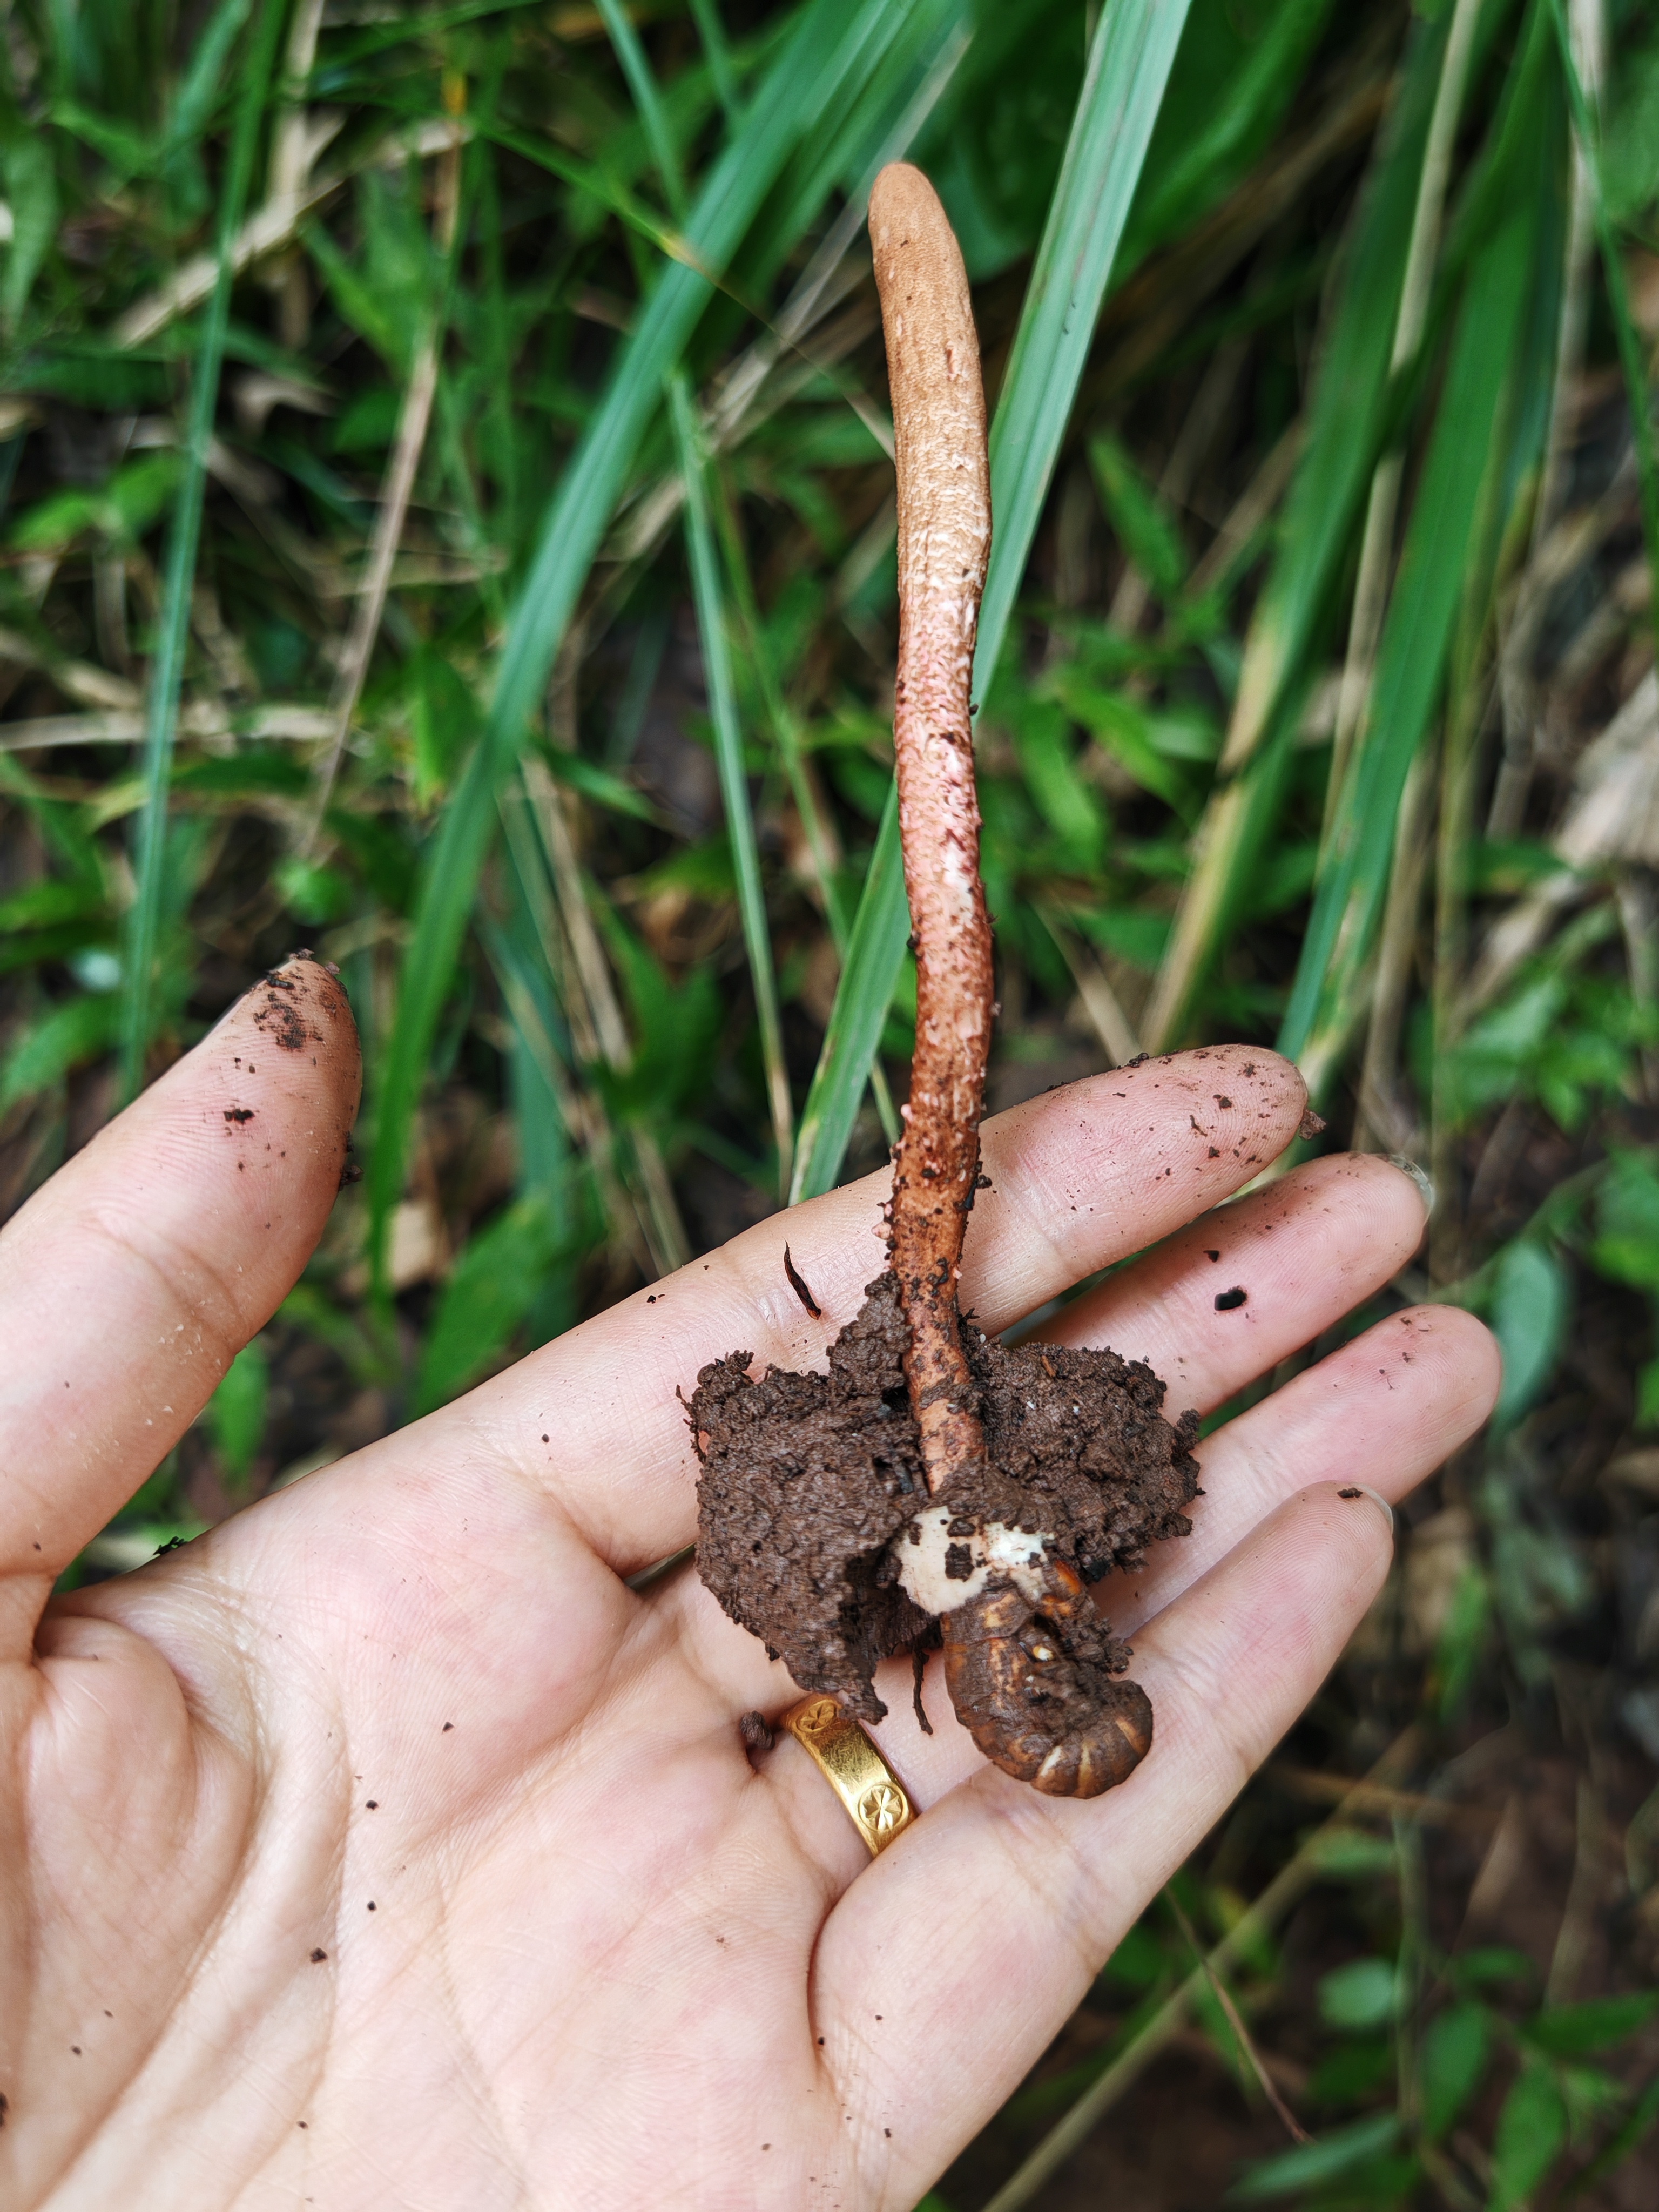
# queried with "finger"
point(130, 1281)
point(1304, 1252)
point(1002, 1903)
point(1385, 1410)
point(1078, 1179)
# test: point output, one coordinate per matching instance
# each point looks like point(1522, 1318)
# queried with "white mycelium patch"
point(998, 1552)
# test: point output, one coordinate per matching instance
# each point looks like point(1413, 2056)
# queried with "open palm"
point(383, 1847)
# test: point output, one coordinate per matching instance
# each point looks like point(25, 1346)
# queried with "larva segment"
point(1038, 1684)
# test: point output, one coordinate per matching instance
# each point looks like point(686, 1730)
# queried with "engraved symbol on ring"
point(818, 1717)
point(883, 1807)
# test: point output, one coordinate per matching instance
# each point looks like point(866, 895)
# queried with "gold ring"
point(856, 1771)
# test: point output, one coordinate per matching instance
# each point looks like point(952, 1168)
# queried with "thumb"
point(132, 1280)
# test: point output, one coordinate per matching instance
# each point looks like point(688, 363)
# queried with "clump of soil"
point(807, 1479)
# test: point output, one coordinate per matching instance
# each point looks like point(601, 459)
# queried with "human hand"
point(382, 1847)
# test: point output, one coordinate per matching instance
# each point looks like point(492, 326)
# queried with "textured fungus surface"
point(807, 1479)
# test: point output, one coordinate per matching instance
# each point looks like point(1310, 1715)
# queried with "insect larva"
point(1038, 1685)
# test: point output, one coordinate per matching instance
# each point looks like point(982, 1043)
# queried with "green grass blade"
point(717, 50)
point(190, 111)
point(172, 632)
point(496, 1282)
point(827, 59)
point(815, 67)
point(841, 152)
point(1347, 419)
point(853, 1036)
point(1630, 353)
point(808, 803)
point(645, 222)
point(1227, 95)
point(1417, 635)
point(1129, 65)
point(728, 754)
point(643, 85)
point(785, 731)
point(1346, 413)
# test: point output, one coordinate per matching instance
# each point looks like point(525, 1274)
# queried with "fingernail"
point(1364, 1489)
point(1420, 1177)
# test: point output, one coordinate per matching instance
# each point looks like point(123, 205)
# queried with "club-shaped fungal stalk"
point(944, 541)
point(1030, 1667)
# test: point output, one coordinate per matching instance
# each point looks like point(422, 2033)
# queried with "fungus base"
point(813, 1484)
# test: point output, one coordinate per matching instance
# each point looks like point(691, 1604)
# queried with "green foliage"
point(818, 75)
point(1334, 2157)
point(1417, 637)
point(1567, 1037)
point(1141, 519)
point(167, 674)
point(1630, 146)
point(31, 183)
point(1353, 2072)
point(1575, 2031)
point(1626, 1249)
point(1452, 2064)
point(1374, 2158)
point(56, 1042)
point(853, 1034)
point(1139, 1961)
point(1490, 1964)
point(1363, 1994)
point(310, 892)
point(122, 510)
point(1463, 1640)
point(1344, 420)
point(1632, 352)
point(1235, 73)
point(236, 1412)
point(490, 1292)
point(729, 747)
point(1531, 1299)
point(1532, 2129)
point(1343, 1853)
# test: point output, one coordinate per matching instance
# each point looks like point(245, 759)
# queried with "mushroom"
point(1017, 1685)
point(830, 1525)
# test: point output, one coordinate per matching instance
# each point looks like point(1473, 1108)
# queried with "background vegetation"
point(448, 521)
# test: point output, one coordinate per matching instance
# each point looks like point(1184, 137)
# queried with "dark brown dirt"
point(281, 1018)
point(758, 1735)
point(807, 1479)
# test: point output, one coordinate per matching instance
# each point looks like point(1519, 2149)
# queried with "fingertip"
point(1352, 1493)
point(299, 1012)
point(279, 1080)
point(131, 1279)
point(1394, 1189)
point(1417, 1177)
point(1465, 1352)
point(1388, 1200)
point(1095, 1170)
point(1335, 1543)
